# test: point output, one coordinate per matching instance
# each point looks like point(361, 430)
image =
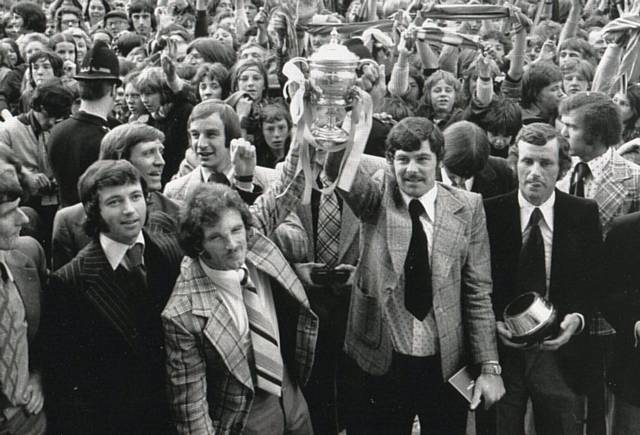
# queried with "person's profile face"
point(572, 129)
point(148, 158)
point(12, 218)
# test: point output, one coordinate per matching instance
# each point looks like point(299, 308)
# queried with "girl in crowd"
point(94, 12)
point(212, 81)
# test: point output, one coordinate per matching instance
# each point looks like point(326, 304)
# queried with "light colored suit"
point(618, 193)
point(461, 274)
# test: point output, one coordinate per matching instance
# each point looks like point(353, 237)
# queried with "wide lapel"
point(220, 330)
point(447, 230)
point(266, 256)
point(611, 192)
point(398, 226)
point(349, 227)
point(304, 213)
point(28, 284)
point(103, 291)
point(563, 235)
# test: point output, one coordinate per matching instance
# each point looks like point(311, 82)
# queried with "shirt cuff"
point(581, 327)
point(247, 186)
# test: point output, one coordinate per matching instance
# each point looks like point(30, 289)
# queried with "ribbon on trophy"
point(359, 121)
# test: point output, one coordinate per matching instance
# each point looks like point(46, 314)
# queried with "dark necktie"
point(580, 172)
point(137, 269)
point(417, 272)
point(217, 177)
point(532, 275)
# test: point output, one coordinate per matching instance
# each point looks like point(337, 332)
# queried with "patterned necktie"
point(580, 172)
point(418, 293)
point(13, 342)
point(532, 275)
point(328, 237)
point(266, 352)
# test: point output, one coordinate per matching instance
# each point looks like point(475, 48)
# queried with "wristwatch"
point(491, 369)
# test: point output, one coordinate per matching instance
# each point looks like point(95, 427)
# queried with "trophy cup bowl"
point(332, 70)
point(531, 318)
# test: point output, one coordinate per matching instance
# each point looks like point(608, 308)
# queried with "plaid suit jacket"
point(461, 274)
point(210, 383)
point(618, 193)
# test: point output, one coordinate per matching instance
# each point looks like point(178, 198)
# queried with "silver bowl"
point(531, 318)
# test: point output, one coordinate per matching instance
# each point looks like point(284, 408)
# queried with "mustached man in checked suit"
point(105, 347)
point(421, 304)
point(239, 328)
point(23, 272)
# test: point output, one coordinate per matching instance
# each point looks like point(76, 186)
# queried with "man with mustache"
point(421, 302)
point(544, 241)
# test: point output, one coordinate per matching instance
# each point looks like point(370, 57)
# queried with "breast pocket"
point(367, 318)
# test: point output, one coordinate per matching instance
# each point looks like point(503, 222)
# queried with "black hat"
point(100, 63)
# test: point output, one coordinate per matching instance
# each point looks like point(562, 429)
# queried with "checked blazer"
point(461, 274)
point(617, 194)
point(209, 374)
point(105, 357)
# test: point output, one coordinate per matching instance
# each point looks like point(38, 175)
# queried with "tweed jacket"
point(69, 236)
point(617, 194)
point(209, 375)
point(461, 274)
point(291, 238)
point(104, 350)
point(29, 269)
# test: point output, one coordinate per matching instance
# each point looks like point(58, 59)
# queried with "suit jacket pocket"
point(367, 319)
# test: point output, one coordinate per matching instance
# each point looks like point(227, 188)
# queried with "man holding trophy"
point(547, 242)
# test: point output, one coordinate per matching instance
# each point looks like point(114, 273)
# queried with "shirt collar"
point(228, 280)
point(428, 201)
point(526, 208)
point(597, 164)
point(115, 251)
point(468, 182)
point(3, 260)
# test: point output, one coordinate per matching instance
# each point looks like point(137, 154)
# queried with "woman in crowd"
point(94, 12)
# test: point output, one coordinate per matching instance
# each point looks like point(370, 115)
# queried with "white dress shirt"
point(546, 229)
point(116, 251)
point(446, 180)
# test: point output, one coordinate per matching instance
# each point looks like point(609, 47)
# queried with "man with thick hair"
point(541, 93)
point(105, 347)
point(239, 369)
point(75, 143)
point(141, 145)
point(421, 302)
point(23, 272)
point(592, 125)
point(544, 241)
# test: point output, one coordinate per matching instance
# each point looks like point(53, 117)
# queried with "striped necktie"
point(328, 237)
point(266, 352)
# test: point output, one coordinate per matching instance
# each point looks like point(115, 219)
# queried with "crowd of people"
point(165, 268)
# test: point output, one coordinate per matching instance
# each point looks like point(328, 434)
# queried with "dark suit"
point(621, 303)
point(496, 178)
point(73, 146)
point(576, 247)
point(105, 342)
point(69, 236)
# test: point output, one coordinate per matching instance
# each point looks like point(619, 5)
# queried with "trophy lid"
point(334, 52)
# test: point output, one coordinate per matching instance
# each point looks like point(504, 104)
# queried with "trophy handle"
point(371, 62)
point(301, 60)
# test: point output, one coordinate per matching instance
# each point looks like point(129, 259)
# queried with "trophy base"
point(330, 139)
